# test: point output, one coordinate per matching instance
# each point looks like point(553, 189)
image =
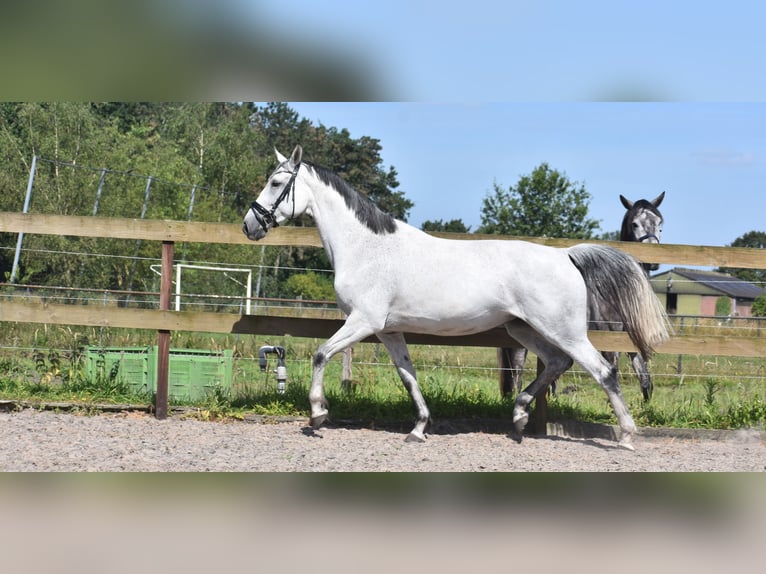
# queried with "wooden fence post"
point(348, 358)
point(541, 406)
point(163, 336)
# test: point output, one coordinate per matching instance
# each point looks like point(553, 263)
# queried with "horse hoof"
point(415, 436)
point(520, 421)
point(318, 420)
point(626, 443)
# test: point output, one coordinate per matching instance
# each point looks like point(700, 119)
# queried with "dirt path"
point(31, 440)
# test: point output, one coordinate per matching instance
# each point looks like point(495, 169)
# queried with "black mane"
point(365, 210)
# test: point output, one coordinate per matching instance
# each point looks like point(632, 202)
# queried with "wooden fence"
point(286, 323)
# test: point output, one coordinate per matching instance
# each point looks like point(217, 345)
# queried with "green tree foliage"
point(753, 240)
point(309, 285)
point(759, 306)
point(609, 236)
point(452, 226)
point(357, 161)
point(544, 203)
point(220, 152)
point(723, 306)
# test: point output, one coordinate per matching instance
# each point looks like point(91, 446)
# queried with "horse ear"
point(297, 155)
point(657, 200)
point(626, 202)
point(280, 157)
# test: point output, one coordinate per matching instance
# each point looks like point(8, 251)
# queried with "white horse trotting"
point(391, 279)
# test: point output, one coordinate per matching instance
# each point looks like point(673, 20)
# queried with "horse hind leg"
point(644, 378)
point(605, 374)
point(397, 347)
point(581, 350)
point(555, 363)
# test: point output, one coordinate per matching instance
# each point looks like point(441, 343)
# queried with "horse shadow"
point(566, 431)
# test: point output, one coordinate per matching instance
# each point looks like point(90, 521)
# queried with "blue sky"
point(631, 98)
point(710, 158)
point(541, 50)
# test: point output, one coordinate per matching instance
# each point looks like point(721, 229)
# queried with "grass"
point(44, 364)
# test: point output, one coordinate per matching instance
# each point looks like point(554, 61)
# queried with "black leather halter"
point(648, 236)
point(265, 217)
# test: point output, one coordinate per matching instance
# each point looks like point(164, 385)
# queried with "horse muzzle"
point(253, 228)
point(653, 239)
point(259, 233)
point(649, 238)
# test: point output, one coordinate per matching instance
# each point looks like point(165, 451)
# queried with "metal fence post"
point(27, 198)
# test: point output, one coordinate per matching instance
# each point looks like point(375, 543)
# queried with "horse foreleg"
point(397, 347)
point(644, 378)
point(352, 331)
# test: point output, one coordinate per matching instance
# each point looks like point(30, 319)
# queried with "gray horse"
point(392, 279)
point(642, 223)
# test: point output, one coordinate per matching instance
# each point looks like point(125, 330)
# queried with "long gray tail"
point(615, 280)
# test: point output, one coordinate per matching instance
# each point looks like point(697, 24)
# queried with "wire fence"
point(126, 265)
point(120, 193)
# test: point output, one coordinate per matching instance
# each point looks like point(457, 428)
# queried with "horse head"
point(642, 223)
point(279, 195)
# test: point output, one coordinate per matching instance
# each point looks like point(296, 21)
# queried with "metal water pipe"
point(281, 370)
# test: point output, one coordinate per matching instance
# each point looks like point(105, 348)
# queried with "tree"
point(452, 226)
point(357, 161)
point(220, 152)
point(753, 240)
point(609, 236)
point(543, 204)
point(723, 306)
point(759, 306)
point(310, 285)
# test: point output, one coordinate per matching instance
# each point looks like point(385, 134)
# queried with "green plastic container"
point(192, 375)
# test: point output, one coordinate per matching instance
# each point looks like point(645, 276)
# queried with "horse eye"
point(635, 225)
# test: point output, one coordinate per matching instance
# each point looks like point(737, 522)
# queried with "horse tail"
point(616, 281)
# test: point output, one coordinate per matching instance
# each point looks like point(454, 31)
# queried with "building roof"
point(726, 284)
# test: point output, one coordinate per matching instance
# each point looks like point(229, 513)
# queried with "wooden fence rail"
point(285, 322)
point(200, 232)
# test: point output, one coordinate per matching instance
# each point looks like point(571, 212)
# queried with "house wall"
point(687, 304)
point(691, 305)
point(744, 308)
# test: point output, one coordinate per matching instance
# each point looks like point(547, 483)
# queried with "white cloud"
point(721, 157)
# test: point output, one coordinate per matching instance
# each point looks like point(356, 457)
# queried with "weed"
point(711, 389)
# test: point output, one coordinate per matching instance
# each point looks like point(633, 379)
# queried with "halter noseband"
point(265, 217)
point(648, 236)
